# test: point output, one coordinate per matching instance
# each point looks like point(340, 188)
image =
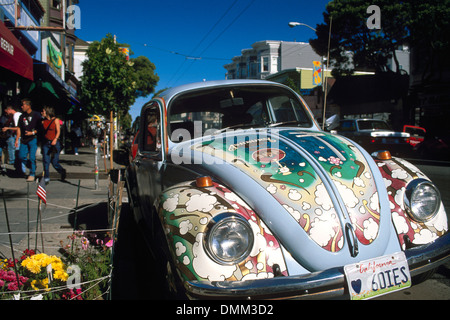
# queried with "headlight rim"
point(410, 188)
point(219, 220)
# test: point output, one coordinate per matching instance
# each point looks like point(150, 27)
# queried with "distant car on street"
point(417, 134)
point(374, 135)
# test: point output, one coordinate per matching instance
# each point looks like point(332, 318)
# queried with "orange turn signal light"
point(204, 182)
point(384, 155)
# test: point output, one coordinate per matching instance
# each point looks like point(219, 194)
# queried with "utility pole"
point(325, 77)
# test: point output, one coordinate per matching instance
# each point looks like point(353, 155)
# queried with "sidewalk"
point(77, 166)
point(79, 191)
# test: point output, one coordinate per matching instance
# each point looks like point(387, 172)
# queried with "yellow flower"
point(32, 265)
point(61, 275)
point(40, 284)
point(35, 264)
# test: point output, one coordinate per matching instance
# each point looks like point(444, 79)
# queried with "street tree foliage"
point(353, 45)
point(110, 82)
point(144, 76)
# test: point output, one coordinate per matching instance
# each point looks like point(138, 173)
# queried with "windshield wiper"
point(239, 126)
point(278, 124)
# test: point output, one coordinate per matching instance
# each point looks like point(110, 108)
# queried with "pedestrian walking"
point(3, 138)
point(51, 146)
point(13, 140)
point(29, 124)
point(75, 136)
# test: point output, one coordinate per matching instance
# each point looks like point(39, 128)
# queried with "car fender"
point(185, 211)
point(397, 174)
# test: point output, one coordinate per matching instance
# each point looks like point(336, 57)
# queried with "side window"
point(152, 130)
point(347, 126)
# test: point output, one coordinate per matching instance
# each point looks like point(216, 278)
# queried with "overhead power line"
point(217, 37)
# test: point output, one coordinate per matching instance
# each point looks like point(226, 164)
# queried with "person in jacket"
point(51, 146)
point(13, 140)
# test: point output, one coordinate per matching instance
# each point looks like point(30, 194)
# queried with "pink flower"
point(84, 243)
point(12, 286)
point(334, 160)
point(110, 243)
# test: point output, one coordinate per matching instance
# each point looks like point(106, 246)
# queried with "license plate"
point(390, 140)
point(378, 276)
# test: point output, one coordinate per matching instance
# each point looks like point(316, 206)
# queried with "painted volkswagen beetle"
point(241, 195)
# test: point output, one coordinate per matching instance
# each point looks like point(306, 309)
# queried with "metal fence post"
point(96, 166)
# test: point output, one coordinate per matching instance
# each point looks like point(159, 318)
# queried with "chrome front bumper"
point(325, 284)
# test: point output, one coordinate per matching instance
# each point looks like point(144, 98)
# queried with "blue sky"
point(190, 41)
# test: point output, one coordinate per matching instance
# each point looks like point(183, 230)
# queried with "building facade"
point(19, 48)
point(297, 65)
point(37, 55)
point(55, 67)
point(293, 63)
point(267, 58)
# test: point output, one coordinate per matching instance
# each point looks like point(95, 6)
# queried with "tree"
point(144, 76)
point(111, 83)
point(354, 45)
point(107, 83)
point(430, 30)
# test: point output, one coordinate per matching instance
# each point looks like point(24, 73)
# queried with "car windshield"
point(206, 111)
point(373, 125)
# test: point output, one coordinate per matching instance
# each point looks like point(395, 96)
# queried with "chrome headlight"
point(422, 200)
point(229, 239)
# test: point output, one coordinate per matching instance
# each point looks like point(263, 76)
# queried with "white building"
point(79, 56)
point(269, 57)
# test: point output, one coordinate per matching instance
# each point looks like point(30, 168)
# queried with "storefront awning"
point(44, 85)
point(13, 56)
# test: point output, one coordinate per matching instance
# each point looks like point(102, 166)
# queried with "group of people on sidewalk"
point(23, 132)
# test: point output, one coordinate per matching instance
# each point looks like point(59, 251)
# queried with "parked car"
point(417, 134)
point(240, 195)
point(374, 135)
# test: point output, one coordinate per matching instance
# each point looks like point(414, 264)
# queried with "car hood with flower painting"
point(243, 196)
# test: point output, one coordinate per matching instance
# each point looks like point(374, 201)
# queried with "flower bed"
point(82, 272)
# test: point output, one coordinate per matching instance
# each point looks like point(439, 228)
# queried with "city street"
point(78, 191)
point(132, 256)
point(277, 82)
point(130, 260)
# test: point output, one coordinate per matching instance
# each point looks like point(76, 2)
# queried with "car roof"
point(363, 120)
point(168, 94)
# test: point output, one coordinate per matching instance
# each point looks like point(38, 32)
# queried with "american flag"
point(41, 192)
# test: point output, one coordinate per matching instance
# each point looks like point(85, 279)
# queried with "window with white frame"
point(265, 64)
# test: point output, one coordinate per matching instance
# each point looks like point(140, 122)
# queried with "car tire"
point(423, 277)
point(172, 287)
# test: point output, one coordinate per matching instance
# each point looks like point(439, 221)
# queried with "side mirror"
point(332, 122)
